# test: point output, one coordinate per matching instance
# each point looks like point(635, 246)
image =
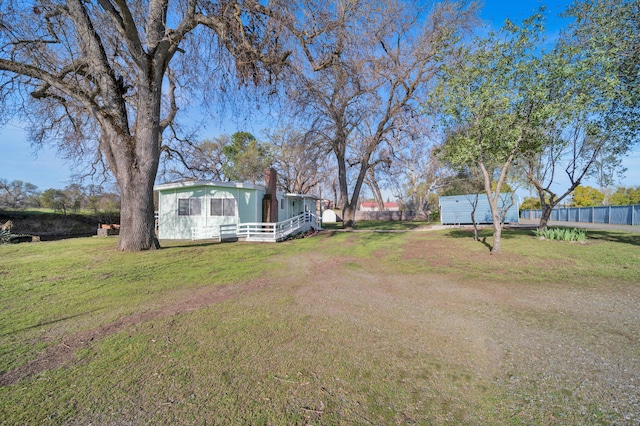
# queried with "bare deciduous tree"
point(102, 78)
point(416, 170)
point(17, 194)
point(196, 160)
point(370, 66)
point(298, 158)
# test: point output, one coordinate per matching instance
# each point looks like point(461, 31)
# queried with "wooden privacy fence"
point(613, 215)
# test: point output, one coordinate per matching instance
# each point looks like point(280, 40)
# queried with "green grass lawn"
point(341, 328)
point(382, 225)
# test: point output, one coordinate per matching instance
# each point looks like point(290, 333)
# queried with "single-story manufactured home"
point(208, 209)
point(456, 209)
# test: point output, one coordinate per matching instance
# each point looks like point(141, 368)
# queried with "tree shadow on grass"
point(614, 237)
point(484, 233)
point(209, 243)
point(326, 233)
point(592, 234)
point(488, 232)
point(46, 323)
point(376, 236)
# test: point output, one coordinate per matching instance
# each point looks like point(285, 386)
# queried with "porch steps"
point(259, 232)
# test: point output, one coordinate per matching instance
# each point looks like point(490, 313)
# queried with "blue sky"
point(45, 169)
point(495, 12)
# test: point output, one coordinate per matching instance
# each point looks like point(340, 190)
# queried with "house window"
point(223, 207)
point(189, 207)
point(282, 204)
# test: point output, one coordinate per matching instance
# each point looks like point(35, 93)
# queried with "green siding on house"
point(173, 226)
point(248, 206)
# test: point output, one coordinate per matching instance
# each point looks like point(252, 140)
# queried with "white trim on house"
point(248, 207)
point(190, 183)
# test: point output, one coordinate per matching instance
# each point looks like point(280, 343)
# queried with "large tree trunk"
point(546, 215)
point(348, 209)
point(348, 216)
point(137, 221)
point(137, 216)
point(134, 159)
point(135, 171)
point(351, 205)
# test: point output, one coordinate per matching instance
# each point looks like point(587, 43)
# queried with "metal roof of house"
point(243, 185)
point(311, 196)
point(192, 183)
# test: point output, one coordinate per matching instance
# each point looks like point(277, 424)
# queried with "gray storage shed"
point(456, 209)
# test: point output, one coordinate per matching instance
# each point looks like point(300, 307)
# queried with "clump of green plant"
point(7, 237)
point(562, 234)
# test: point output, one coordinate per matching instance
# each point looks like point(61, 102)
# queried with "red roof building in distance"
point(372, 206)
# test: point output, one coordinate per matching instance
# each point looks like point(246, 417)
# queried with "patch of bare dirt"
point(431, 251)
point(63, 353)
point(557, 351)
point(433, 307)
point(560, 352)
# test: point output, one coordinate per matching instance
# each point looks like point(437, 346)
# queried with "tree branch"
point(173, 107)
point(124, 23)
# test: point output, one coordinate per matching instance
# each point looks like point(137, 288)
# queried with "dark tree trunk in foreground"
point(99, 78)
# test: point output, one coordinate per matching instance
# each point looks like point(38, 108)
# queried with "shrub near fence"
point(613, 215)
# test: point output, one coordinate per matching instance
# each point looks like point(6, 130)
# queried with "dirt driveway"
point(560, 349)
point(367, 328)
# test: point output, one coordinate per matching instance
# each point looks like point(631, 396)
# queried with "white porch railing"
point(258, 231)
point(261, 231)
point(219, 232)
